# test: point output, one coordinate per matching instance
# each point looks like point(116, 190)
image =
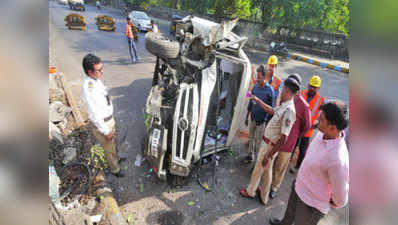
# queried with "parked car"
point(140, 20)
point(77, 5)
point(186, 116)
point(62, 2)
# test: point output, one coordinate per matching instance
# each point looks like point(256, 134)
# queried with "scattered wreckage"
point(194, 106)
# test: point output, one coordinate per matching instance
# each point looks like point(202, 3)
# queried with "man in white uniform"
point(100, 111)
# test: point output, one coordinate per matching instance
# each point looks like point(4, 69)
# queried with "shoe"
point(118, 174)
point(274, 221)
point(293, 170)
point(122, 159)
point(244, 193)
point(272, 194)
point(247, 160)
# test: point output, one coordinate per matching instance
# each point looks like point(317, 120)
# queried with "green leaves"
point(191, 203)
point(326, 15)
point(97, 157)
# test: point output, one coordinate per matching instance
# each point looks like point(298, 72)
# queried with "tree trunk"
point(174, 4)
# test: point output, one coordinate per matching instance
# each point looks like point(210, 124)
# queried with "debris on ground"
point(58, 111)
point(54, 183)
point(69, 154)
point(77, 185)
point(96, 218)
point(137, 162)
point(191, 203)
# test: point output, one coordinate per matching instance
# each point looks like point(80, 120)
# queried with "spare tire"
point(160, 46)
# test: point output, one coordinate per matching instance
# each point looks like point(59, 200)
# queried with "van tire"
point(160, 46)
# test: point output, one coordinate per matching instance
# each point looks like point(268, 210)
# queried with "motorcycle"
point(278, 49)
point(98, 4)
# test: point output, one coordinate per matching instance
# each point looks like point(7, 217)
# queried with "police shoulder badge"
point(287, 122)
point(90, 85)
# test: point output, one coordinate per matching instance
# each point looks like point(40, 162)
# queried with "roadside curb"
point(72, 103)
point(318, 63)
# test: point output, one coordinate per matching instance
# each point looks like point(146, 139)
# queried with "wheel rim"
point(162, 38)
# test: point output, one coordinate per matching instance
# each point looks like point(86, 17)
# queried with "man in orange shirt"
point(130, 40)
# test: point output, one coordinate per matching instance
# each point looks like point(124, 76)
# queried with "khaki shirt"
point(282, 121)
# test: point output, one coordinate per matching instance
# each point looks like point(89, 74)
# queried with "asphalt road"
point(140, 194)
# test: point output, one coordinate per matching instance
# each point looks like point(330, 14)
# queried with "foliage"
point(97, 157)
point(326, 15)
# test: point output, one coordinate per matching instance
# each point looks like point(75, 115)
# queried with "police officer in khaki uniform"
point(100, 111)
point(275, 135)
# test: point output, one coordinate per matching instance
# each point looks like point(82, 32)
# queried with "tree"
point(233, 8)
point(326, 15)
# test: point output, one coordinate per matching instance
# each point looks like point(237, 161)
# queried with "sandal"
point(259, 195)
point(244, 193)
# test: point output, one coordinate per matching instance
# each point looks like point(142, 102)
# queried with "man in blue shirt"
point(258, 117)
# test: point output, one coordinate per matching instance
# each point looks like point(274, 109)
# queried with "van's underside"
point(196, 99)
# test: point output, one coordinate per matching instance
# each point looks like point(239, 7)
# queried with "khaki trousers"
point(272, 174)
point(109, 146)
point(256, 134)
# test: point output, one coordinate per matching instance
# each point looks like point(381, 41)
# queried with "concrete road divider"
point(318, 63)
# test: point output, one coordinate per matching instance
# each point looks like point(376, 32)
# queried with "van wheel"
point(160, 46)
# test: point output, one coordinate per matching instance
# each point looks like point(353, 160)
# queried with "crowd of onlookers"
point(283, 117)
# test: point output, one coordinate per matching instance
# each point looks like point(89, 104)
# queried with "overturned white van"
point(197, 97)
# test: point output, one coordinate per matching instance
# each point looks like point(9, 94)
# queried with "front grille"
point(185, 122)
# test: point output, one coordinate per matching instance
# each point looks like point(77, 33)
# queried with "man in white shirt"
point(100, 111)
point(154, 27)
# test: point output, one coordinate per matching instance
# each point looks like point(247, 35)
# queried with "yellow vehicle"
point(75, 22)
point(105, 23)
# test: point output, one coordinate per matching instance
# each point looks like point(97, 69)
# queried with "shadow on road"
point(335, 85)
point(120, 61)
point(261, 57)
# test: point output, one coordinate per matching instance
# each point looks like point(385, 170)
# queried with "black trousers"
point(303, 145)
point(299, 212)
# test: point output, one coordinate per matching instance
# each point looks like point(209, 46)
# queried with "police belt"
point(106, 119)
point(266, 140)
